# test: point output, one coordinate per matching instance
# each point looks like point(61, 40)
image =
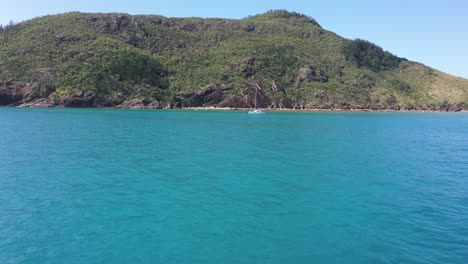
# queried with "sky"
point(433, 32)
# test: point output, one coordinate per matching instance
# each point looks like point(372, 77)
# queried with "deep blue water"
point(123, 186)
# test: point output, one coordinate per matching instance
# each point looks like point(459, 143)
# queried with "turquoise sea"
point(127, 186)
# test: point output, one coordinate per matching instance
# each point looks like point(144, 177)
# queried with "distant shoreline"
point(315, 110)
point(265, 109)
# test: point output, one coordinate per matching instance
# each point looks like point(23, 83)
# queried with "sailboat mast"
point(256, 97)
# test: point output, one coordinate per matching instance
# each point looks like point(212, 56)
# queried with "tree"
point(9, 25)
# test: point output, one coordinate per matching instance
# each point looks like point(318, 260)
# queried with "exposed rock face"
point(311, 74)
point(211, 95)
point(140, 104)
point(43, 102)
point(73, 100)
point(112, 23)
point(124, 25)
point(249, 27)
point(244, 67)
point(76, 100)
point(235, 102)
point(87, 99)
point(67, 38)
point(321, 95)
point(13, 93)
point(219, 96)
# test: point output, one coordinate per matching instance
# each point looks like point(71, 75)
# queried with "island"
point(154, 62)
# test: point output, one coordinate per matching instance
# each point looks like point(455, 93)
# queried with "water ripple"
point(100, 186)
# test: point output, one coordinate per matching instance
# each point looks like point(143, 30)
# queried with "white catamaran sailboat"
point(256, 111)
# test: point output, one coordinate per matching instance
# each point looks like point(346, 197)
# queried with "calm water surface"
point(122, 186)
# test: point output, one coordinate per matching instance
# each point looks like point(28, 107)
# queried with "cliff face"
point(118, 60)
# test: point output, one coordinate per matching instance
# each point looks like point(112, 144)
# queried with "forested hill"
point(149, 61)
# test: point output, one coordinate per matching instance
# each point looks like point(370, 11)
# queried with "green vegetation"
point(366, 54)
point(79, 59)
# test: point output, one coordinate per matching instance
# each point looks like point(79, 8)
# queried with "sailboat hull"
point(256, 112)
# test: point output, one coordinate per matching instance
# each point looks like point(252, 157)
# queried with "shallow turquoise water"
point(122, 186)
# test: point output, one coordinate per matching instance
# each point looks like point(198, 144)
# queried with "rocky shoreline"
point(212, 97)
point(131, 105)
